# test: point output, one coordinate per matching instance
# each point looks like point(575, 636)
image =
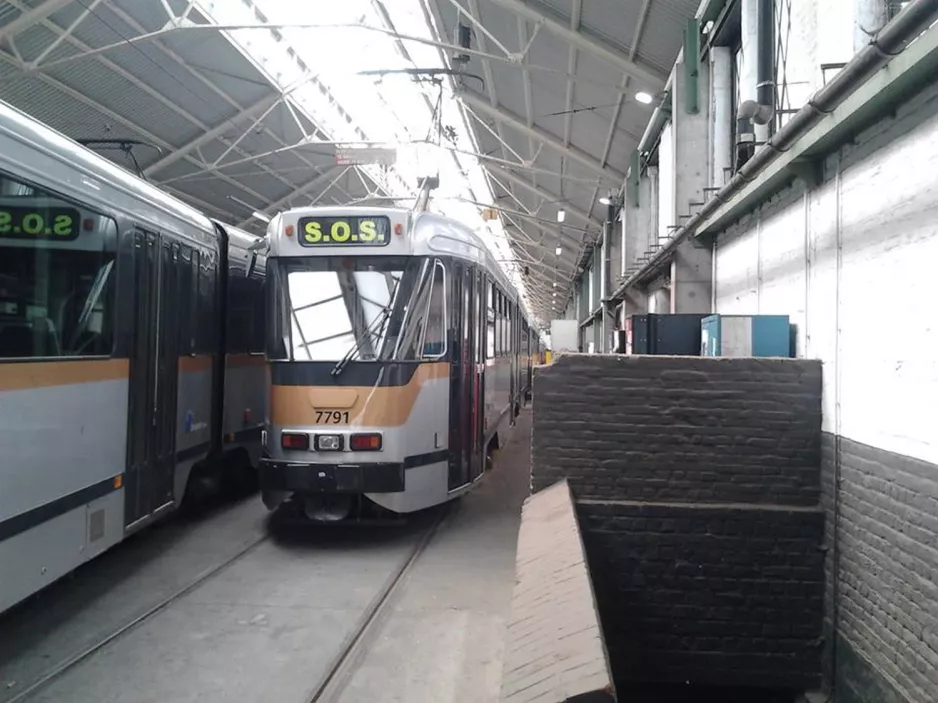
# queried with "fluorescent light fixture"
point(553, 285)
point(260, 216)
point(643, 97)
point(561, 215)
point(605, 200)
point(557, 251)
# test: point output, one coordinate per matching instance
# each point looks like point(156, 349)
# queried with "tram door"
point(477, 463)
point(153, 378)
point(464, 394)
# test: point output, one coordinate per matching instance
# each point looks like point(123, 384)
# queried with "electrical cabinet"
point(745, 335)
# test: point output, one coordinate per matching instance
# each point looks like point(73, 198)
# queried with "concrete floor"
point(443, 637)
point(266, 627)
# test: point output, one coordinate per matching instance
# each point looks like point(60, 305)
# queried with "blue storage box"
point(745, 335)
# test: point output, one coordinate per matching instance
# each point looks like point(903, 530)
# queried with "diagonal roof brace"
point(582, 215)
point(477, 102)
point(652, 78)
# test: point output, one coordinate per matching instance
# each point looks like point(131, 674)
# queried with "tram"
point(399, 354)
point(132, 371)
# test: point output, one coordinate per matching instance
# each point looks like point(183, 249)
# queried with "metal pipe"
point(882, 48)
point(661, 114)
point(765, 81)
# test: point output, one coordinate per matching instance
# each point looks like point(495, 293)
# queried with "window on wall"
point(57, 275)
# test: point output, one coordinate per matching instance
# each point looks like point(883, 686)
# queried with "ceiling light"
point(260, 216)
point(643, 97)
point(561, 215)
point(553, 285)
point(557, 251)
point(605, 200)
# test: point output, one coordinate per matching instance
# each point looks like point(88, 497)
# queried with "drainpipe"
point(889, 42)
point(758, 104)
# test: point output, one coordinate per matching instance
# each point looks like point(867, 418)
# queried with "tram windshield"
point(56, 275)
point(355, 308)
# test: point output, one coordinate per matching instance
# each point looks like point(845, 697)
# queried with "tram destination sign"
point(51, 223)
point(361, 156)
point(343, 231)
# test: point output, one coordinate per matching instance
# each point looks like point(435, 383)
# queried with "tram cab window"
point(57, 276)
point(323, 308)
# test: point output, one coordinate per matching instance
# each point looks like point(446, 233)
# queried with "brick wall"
point(666, 428)
point(708, 594)
point(698, 487)
point(887, 575)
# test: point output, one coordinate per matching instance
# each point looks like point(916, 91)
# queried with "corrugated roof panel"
point(108, 89)
point(147, 16)
point(8, 13)
point(33, 41)
point(150, 68)
point(61, 111)
point(102, 27)
point(221, 63)
point(613, 23)
point(663, 34)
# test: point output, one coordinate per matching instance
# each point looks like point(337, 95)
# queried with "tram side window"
point(246, 314)
point(57, 275)
point(434, 341)
point(490, 316)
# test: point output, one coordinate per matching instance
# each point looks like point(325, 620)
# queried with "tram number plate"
point(332, 417)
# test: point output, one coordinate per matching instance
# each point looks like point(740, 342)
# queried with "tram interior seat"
point(28, 338)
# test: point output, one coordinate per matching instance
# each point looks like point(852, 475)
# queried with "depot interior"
point(748, 183)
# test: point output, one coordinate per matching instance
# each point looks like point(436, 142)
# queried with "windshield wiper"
point(343, 362)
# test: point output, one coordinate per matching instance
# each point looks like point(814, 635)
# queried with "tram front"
point(357, 351)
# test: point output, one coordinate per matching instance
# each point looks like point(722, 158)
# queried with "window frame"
point(115, 284)
point(444, 320)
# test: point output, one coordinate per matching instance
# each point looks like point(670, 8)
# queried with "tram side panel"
point(64, 388)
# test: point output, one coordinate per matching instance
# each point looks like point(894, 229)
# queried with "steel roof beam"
point(321, 178)
point(31, 17)
point(556, 143)
point(651, 77)
point(211, 134)
point(537, 190)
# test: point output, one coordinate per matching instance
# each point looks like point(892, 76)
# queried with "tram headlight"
point(328, 442)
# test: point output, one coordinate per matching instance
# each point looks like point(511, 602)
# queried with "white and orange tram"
point(399, 353)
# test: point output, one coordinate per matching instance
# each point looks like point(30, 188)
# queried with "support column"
point(691, 265)
point(721, 110)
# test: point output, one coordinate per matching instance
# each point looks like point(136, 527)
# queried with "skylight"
point(338, 41)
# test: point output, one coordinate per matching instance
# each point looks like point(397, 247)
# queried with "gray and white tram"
point(396, 360)
point(131, 354)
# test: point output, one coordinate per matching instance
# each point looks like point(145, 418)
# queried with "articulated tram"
point(132, 371)
point(399, 354)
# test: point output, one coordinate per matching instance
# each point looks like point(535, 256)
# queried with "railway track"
point(331, 680)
